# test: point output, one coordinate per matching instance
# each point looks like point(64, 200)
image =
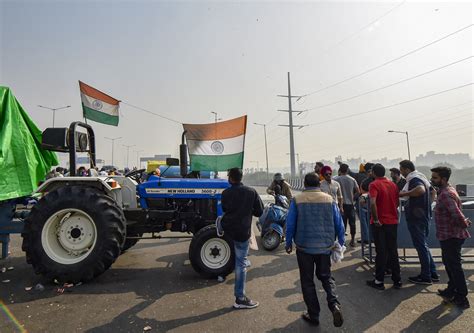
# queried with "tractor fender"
point(104, 184)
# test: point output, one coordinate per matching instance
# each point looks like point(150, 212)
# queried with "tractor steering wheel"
point(136, 175)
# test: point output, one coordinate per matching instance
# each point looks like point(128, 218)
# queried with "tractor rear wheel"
point(73, 234)
point(211, 255)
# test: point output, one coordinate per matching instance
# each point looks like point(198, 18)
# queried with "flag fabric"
point(98, 106)
point(23, 163)
point(218, 146)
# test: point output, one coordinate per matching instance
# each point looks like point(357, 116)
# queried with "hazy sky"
point(186, 59)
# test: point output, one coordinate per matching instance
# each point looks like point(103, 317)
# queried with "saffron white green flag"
point(98, 106)
point(218, 146)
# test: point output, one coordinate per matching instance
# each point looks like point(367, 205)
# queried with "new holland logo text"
point(211, 191)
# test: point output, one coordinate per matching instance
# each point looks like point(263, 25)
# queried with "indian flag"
point(98, 106)
point(218, 146)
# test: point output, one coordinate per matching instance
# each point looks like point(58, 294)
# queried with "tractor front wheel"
point(211, 255)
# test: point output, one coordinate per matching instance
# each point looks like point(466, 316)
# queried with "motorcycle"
point(272, 222)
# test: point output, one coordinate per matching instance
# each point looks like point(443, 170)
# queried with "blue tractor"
point(80, 225)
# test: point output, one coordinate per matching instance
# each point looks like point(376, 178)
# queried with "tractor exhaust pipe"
point(183, 156)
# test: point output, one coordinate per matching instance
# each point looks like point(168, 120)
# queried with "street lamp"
point(266, 150)
point(215, 116)
point(113, 141)
point(138, 161)
point(128, 151)
point(54, 109)
point(408, 142)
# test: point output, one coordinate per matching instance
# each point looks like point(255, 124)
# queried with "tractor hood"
point(157, 187)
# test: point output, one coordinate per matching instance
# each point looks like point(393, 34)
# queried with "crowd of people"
point(318, 220)
point(82, 171)
point(318, 217)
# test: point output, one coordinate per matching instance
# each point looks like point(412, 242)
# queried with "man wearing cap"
point(280, 186)
point(331, 187)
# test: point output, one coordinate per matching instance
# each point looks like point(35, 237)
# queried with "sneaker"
point(338, 320)
point(445, 293)
point(434, 277)
point(352, 244)
point(419, 280)
point(462, 303)
point(397, 285)
point(247, 263)
point(305, 315)
point(244, 303)
point(373, 284)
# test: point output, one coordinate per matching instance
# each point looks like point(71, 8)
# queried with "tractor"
point(80, 225)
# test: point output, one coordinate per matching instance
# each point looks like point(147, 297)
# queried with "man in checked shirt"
point(451, 231)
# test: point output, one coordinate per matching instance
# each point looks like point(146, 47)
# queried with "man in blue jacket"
point(313, 222)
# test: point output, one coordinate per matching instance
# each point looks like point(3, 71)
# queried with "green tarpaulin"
point(23, 163)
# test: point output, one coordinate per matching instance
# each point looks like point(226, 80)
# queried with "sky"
point(184, 60)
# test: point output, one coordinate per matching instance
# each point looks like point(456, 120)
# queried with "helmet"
point(278, 177)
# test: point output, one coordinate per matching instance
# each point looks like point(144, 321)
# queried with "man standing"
point(331, 187)
point(451, 232)
point(239, 203)
point(314, 222)
point(317, 169)
point(397, 178)
point(384, 221)
point(418, 215)
point(349, 190)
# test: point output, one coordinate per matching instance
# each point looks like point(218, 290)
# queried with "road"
point(154, 285)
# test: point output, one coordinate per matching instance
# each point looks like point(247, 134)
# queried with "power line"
point(388, 86)
point(389, 62)
point(354, 145)
point(364, 27)
point(150, 112)
point(392, 105)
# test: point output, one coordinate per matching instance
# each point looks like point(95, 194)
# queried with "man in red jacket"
point(384, 221)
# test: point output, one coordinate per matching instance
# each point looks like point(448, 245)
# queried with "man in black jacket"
point(239, 203)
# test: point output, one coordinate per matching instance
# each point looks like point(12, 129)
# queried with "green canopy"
point(23, 163)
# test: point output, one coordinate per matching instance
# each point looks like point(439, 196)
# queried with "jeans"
point(349, 215)
point(241, 263)
point(451, 253)
point(419, 231)
point(385, 238)
point(364, 223)
point(306, 264)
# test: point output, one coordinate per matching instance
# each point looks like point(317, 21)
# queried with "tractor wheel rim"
point(69, 236)
point(215, 253)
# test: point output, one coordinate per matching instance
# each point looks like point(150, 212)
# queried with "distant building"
point(459, 160)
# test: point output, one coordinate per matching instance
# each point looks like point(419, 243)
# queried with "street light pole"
point(138, 161)
point(266, 149)
point(113, 141)
point(128, 151)
point(54, 110)
point(408, 141)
